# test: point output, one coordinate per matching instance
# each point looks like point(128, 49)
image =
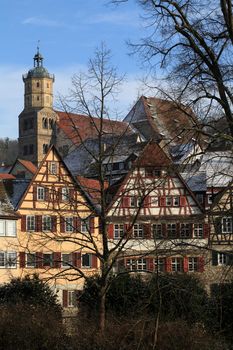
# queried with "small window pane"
point(2, 227)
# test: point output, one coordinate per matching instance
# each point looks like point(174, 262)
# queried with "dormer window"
point(152, 172)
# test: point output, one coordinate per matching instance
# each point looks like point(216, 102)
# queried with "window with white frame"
point(185, 230)
point(133, 202)
point(40, 193)
point(138, 231)
point(193, 264)
point(209, 198)
point(69, 226)
point(30, 223)
point(48, 259)
point(65, 194)
point(159, 264)
point(227, 224)
point(86, 260)
point(71, 298)
point(177, 264)
point(30, 260)
point(46, 223)
point(118, 230)
point(154, 201)
point(157, 231)
point(53, 168)
point(66, 260)
point(85, 225)
point(136, 264)
point(8, 260)
point(198, 230)
point(176, 201)
point(168, 201)
point(171, 230)
point(8, 228)
point(222, 258)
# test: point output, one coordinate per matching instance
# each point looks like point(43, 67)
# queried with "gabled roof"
point(78, 127)
point(6, 208)
point(15, 190)
point(92, 187)
point(163, 119)
point(153, 155)
point(27, 164)
point(5, 176)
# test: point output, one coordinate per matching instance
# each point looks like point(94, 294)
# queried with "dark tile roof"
point(6, 208)
point(197, 181)
point(15, 190)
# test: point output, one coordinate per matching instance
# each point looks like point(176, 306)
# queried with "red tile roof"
point(153, 155)
point(91, 186)
point(28, 165)
point(79, 127)
point(4, 176)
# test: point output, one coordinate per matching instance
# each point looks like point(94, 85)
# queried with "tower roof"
point(38, 71)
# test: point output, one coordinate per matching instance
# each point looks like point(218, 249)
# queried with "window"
point(65, 194)
point(86, 260)
point(66, 260)
point(133, 202)
point(53, 168)
point(200, 198)
point(157, 231)
point(193, 264)
point(137, 231)
point(176, 201)
point(38, 98)
point(69, 224)
point(168, 201)
point(198, 230)
point(8, 228)
point(152, 172)
point(118, 230)
point(185, 230)
point(40, 193)
point(37, 84)
point(136, 264)
point(177, 264)
point(30, 223)
point(227, 225)
point(222, 258)
point(46, 223)
point(45, 123)
point(71, 298)
point(154, 201)
point(210, 198)
point(85, 225)
point(30, 260)
point(171, 231)
point(47, 260)
point(159, 264)
point(8, 259)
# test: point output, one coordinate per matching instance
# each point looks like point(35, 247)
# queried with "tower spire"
point(38, 58)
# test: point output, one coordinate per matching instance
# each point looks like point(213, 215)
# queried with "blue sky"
point(69, 31)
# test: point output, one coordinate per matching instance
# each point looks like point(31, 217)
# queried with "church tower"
point(37, 122)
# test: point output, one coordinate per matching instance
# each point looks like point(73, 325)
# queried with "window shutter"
point(150, 264)
point(110, 231)
point(34, 195)
point(183, 201)
point(79, 259)
point(186, 264)
point(125, 202)
point(206, 230)
point(38, 223)
point(23, 223)
point(147, 202)
point(22, 259)
point(92, 224)
point(39, 260)
point(178, 230)
point(168, 264)
point(59, 194)
point(214, 258)
point(65, 298)
point(62, 224)
point(147, 230)
point(76, 259)
point(71, 195)
point(46, 194)
point(218, 225)
point(93, 261)
point(201, 264)
point(162, 201)
point(229, 257)
point(54, 223)
point(57, 259)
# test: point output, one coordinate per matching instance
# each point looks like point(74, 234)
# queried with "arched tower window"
point(37, 84)
point(51, 123)
point(45, 123)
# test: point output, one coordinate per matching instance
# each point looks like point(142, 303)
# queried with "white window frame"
point(177, 264)
point(136, 264)
point(30, 223)
point(85, 225)
point(226, 224)
point(46, 223)
point(171, 229)
point(193, 264)
point(6, 259)
point(198, 230)
point(222, 259)
point(157, 230)
point(186, 230)
point(210, 198)
point(6, 228)
point(65, 194)
point(84, 264)
point(138, 231)
point(32, 263)
point(176, 201)
point(160, 264)
point(168, 201)
point(40, 193)
point(118, 230)
point(71, 298)
point(69, 224)
point(66, 260)
point(132, 202)
point(53, 168)
point(47, 259)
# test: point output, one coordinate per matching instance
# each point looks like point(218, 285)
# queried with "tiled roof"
point(153, 155)
point(15, 190)
point(196, 181)
point(28, 165)
point(5, 176)
point(91, 187)
point(6, 208)
point(79, 128)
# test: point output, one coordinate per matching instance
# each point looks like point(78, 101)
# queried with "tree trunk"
point(102, 309)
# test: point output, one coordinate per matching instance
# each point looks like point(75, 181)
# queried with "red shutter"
point(186, 264)
point(38, 223)
point(168, 264)
point(78, 259)
point(54, 223)
point(110, 231)
point(92, 224)
point(62, 224)
point(46, 194)
point(57, 259)
point(65, 298)
point(71, 195)
point(147, 230)
point(125, 202)
point(34, 196)
point(147, 201)
point(201, 264)
point(206, 230)
point(162, 201)
point(22, 259)
point(150, 264)
point(39, 260)
point(183, 201)
point(94, 261)
point(23, 223)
